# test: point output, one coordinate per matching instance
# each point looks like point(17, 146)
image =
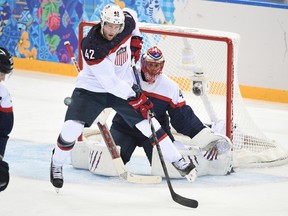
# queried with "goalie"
point(202, 146)
point(209, 151)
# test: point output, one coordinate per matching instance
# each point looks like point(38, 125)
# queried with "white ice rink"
point(39, 113)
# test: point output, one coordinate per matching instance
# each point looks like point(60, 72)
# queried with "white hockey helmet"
point(112, 14)
point(152, 63)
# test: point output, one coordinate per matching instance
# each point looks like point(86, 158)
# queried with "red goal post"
point(216, 53)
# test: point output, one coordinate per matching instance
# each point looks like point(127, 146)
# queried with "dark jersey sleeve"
point(165, 124)
point(6, 125)
point(160, 108)
point(95, 47)
point(184, 120)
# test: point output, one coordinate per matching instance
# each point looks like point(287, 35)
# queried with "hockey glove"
point(4, 175)
point(135, 46)
point(141, 104)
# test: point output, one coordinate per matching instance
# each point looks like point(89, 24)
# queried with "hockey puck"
point(68, 101)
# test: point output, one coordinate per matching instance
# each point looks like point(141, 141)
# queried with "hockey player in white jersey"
point(6, 115)
point(106, 81)
point(168, 99)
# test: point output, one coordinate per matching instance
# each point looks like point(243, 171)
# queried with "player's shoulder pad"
point(129, 22)
point(165, 80)
point(95, 43)
point(98, 47)
point(3, 91)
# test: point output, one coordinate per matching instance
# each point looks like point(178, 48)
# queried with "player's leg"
point(170, 153)
point(82, 112)
point(148, 148)
point(126, 142)
point(71, 130)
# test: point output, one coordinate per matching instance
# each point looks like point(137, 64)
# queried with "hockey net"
point(190, 50)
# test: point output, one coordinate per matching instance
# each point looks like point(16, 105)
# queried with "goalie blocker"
point(91, 154)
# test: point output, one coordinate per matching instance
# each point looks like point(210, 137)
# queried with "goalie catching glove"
point(4, 175)
point(136, 46)
point(141, 104)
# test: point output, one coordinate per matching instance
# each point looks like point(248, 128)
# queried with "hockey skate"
point(56, 175)
point(187, 170)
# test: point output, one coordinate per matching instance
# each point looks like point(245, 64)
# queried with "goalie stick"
point(192, 203)
point(117, 160)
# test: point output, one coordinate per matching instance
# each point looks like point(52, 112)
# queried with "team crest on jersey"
point(121, 56)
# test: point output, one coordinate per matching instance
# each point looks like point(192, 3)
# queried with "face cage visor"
point(152, 69)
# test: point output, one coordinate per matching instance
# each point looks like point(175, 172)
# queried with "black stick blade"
point(184, 201)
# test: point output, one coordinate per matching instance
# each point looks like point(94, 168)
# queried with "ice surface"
point(39, 113)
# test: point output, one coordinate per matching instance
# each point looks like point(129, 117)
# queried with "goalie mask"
point(6, 61)
point(152, 64)
point(112, 14)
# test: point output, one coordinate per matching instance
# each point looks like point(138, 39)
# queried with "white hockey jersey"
point(6, 117)
point(5, 99)
point(107, 64)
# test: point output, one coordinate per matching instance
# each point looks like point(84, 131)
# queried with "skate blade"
point(57, 190)
point(191, 177)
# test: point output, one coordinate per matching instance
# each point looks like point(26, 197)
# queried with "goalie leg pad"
point(80, 155)
point(220, 167)
point(93, 157)
point(206, 139)
point(100, 161)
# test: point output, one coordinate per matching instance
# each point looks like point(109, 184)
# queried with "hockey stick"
point(176, 197)
point(117, 160)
